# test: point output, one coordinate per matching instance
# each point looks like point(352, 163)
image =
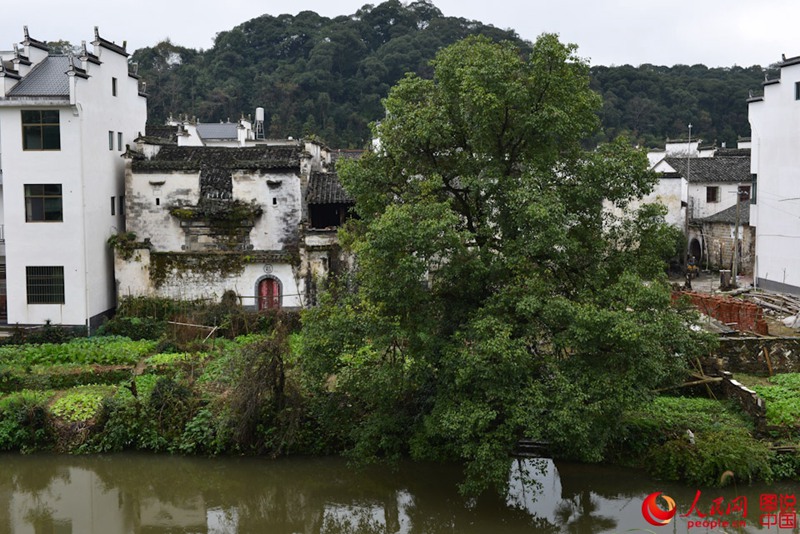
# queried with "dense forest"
point(326, 77)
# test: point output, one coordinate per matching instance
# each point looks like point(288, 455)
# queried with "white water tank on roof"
point(259, 114)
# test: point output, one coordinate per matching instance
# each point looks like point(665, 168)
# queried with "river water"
point(134, 493)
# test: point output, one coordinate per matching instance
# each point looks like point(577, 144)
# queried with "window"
point(45, 285)
point(40, 130)
point(122, 205)
point(113, 206)
point(712, 194)
point(113, 87)
point(110, 140)
point(43, 203)
point(753, 188)
point(744, 193)
point(797, 90)
point(119, 141)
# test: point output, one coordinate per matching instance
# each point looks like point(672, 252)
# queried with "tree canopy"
point(493, 299)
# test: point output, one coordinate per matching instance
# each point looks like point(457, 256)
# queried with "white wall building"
point(257, 220)
point(64, 124)
point(775, 166)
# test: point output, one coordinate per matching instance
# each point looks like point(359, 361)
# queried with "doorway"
point(269, 294)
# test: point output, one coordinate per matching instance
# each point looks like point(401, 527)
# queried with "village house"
point(65, 120)
point(258, 220)
point(710, 178)
point(775, 169)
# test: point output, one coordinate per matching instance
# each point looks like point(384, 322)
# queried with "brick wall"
point(738, 314)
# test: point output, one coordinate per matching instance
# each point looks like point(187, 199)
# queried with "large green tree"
point(494, 298)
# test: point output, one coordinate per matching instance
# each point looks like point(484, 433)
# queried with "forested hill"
point(326, 77)
point(651, 103)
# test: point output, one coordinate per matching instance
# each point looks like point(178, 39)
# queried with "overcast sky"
point(607, 32)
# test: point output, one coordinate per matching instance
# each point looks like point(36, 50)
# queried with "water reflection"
point(158, 494)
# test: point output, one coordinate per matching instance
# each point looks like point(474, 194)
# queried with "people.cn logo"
point(654, 514)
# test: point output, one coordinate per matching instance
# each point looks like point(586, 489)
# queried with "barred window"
point(45, 285)
point(41, 130)
point(43, 203)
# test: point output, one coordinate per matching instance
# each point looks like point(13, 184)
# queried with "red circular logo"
point(654, 514)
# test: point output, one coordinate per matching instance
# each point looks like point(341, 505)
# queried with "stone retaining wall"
point(751, 403)
point(759, 356)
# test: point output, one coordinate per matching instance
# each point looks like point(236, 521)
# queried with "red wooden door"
point(269, 294)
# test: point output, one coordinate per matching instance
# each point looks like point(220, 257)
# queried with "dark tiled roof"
point(345, 154)
point(730, 152)
point(729, 215)
point(226, 130)
point(164, 132)
point(194, 158)
point(48, 78)
point(325, 188)
point(733, 169)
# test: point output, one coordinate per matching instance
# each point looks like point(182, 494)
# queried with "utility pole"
point(735, 269)
point(688, 198)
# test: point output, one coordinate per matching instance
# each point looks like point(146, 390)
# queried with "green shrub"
point(45, 334)
point(118, 423)
point(168, 408)
point(712, 454)
point(786, 466)
point(59, 376)
point(206, 433)
point(23, 421)
point(112, 350)
point(135, 328)
point(657, 437)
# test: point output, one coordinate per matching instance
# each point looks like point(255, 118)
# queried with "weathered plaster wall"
point(197, 283)
point(147, 201)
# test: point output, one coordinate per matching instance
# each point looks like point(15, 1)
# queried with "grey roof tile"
point(194, 158)
point(325, 188)
point(720, 168)
point(729, 215)
point(48, 78)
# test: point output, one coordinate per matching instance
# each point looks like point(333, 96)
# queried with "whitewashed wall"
point(775, 158)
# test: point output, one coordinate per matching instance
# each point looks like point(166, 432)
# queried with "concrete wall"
point(90, 175)
point(774, 122)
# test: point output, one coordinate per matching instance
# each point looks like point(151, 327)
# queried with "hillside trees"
point(312, 74)
point(287, 63)
point(493, 300)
